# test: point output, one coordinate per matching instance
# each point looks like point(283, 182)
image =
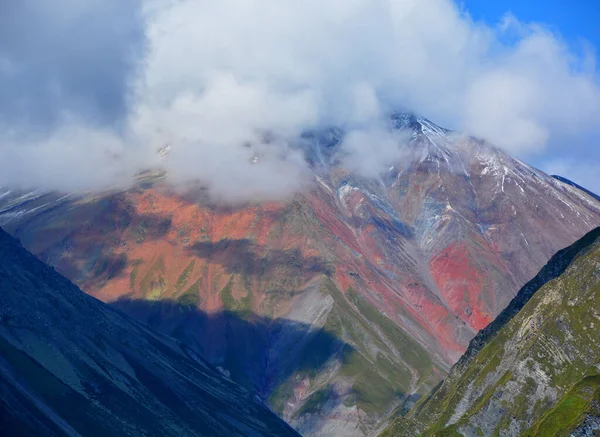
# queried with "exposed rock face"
point(535, 371)
point(589, 428)
point(400, 271)
point(72, 366)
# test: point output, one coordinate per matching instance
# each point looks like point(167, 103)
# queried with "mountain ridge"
point(533, 372)
point(569, 182)
point(405, 267)
point(71, 366)
point(555, 267)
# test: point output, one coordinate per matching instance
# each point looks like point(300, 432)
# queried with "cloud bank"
point(90, 90)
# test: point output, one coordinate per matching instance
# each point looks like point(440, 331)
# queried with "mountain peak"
point(402, 268)
point(418, 124)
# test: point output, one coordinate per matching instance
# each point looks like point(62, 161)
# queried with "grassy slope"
point(369, 360)
point(581, 400)
point(554, 337)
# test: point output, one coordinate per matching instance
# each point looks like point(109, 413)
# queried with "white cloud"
point(213, 76)
point(74, 157)
point(369, 152)
point(531, 92)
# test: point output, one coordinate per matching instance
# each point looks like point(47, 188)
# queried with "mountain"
point(399, 270)
point(72, 366)
point(573, 184)
point(534, 371)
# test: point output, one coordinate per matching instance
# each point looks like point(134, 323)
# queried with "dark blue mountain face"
point(70, 365)
point(573, 184)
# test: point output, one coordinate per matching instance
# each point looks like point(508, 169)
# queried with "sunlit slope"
point(533, 372)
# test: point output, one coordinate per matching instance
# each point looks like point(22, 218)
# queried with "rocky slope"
point(535, 371)
point(400, 271)
point(72, 366)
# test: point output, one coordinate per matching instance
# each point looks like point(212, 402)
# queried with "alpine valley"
point(348, 302)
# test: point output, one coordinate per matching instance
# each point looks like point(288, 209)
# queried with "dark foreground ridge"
point(555, 267)
point(579, 187)
point(258, 353)
point(534, 371)
point(72, 366)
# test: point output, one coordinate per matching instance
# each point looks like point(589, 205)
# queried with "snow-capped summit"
point(382, 281)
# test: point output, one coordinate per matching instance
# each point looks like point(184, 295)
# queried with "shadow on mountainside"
point(92, 229)
point(71, 365)
point(89, 239)
point(247, 258)
point(258, 352)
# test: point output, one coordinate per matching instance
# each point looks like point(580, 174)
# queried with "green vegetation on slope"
point(571, 411)
point(380, 361)
point(185, 275)
point(241, 306)
point(154, 283)
point(537, 375)
point(191, 296)
point(379, 375)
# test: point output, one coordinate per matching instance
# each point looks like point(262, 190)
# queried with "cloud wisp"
point(89, 91)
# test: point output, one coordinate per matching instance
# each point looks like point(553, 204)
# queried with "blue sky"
point(574, 19)
point(578, 23)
